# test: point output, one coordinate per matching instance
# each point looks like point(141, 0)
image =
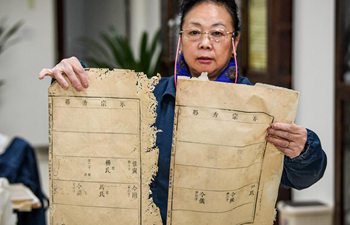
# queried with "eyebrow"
point(218, 24)
point(214, 25)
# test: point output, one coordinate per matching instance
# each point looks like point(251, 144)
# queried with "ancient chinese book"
point(102, 150)
point(223, 172)
point(103, 155)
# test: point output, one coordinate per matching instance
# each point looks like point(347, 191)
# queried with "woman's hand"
point(288, 138)
point(70, 68)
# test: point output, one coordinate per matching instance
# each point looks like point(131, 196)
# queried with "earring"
point(176, 58)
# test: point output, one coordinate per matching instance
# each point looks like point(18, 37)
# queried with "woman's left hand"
point(288, 138)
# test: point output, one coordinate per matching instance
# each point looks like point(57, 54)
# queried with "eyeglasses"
point(214, 35)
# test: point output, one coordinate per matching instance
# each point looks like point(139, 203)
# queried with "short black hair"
point(230, 5)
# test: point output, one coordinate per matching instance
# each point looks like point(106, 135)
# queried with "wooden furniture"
point(342, 119)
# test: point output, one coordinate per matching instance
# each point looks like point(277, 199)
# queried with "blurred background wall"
point(23, 100)
point(314, 76)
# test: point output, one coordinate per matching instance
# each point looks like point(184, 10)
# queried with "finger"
point(58, 75)
point(290, 149)
point(278, 142)
point(79, 71)
point(286, 149)
point(45, 72)
point(292, 128)
point(282, 134)
point(72, 76)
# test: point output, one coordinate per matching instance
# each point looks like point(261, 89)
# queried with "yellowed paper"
point(102, 150)
point(223, 171)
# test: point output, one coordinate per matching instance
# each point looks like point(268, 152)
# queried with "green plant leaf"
point(11, 31)
point(128, 54)
point(155, 56)
point(113, 49)
point(143, 51)
point(155, 68)
point(114, 46)
point(96, 49)
point(6, 34)
point(155, 41)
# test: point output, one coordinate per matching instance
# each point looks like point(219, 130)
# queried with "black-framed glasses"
point(216, 35)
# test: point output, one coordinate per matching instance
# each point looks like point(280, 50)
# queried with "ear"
point(236, 42)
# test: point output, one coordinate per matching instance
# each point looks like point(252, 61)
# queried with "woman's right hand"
point(70, 68)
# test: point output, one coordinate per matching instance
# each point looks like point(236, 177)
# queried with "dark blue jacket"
point(19, 165)
point(299, 173)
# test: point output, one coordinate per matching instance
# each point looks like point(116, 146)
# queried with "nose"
point(204, 42)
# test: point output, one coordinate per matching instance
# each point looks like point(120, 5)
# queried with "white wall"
point(313, 76)
point(23, 98)
point(145, 16)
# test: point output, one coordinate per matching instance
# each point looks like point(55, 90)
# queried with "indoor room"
point(292, 44)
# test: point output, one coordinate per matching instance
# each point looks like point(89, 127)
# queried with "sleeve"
point(306, 169)
point(84, 64)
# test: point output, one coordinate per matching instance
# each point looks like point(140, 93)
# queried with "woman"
point(209, 34)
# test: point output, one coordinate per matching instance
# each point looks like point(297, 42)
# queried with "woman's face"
point(204, 54)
